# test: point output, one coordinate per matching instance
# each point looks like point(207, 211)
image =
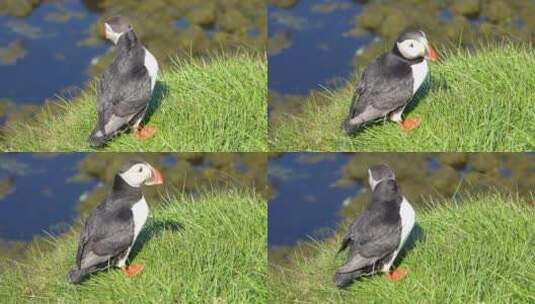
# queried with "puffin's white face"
point(412, 49)
point(110, 34)
point(415, 45)
point(142, 174)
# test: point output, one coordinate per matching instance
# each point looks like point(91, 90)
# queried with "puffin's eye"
point(411, 45)
point(140, 169)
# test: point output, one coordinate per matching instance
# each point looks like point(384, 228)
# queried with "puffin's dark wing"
point(386, 85)
point(115, 235)
point(377, 232)
point(136, 94)
point(88, 230)
point(126, 93)
point(370, 241)
point(104, 235)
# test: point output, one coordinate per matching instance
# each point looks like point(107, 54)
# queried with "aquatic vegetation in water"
point(7, 186)
point(18, 8)
point(329, 7)
point(290, 21)
point(200, 27)
point(184, 172)
point(24, 29)
point(12, 166)
point(13, 52)
point(279, 42)
point(443, 175)
point(64, 15)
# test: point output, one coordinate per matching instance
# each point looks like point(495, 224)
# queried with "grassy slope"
point(477, 252)
point(211, 249)
point(472, 102)
point(214, 105)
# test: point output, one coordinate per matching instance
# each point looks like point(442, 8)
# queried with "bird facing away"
point(125, 89)
point(110, 231)
point(389, 83)
point(375, 238)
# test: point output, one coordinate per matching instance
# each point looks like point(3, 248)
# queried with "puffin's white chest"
point(419, 73)
point(408, 218)
point(152, 66)
point(141, 213)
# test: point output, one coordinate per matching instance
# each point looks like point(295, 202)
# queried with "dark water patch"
point(317, 49)
point(54, 58)
point(433, 164)
point(506, 172)
point(306, 199)
point(182, 24)
point(42, 197)
point(446, 15)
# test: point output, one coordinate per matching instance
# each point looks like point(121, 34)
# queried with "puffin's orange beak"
point(432, 55)
point(156, 178)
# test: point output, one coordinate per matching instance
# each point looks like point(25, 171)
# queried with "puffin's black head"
point(414, 45)
point(379, 173)
point(137, 173)
point(115, 27)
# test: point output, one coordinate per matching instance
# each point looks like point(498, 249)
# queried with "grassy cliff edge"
point(215, 104)
point(476, 251)
point(207, 249)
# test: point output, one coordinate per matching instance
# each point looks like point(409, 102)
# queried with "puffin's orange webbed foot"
point(132, 270)
point(144, 133)
point(410, 124)
point(397, 274)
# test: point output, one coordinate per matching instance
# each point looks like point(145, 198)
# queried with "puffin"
point(111, 230)
point(389, 83)
point(376, 237)
point(125, 89)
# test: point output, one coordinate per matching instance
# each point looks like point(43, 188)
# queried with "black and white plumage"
point(125, 89)
point(388, 83)
point(111, 229)
point(376, 237)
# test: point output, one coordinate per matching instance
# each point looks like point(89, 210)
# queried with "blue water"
point(319, 50)
point(305, 199)
point(43, 200)
point(53, 61)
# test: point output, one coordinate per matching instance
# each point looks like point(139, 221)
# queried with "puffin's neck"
point(397, 54)
point(374, 183)
point(127, 41)
point(122, 189)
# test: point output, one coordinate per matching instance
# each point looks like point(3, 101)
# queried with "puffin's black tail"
point(97, 139)
point(76, 275)
point(343, 279)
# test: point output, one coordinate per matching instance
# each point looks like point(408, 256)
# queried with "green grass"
point(216, 104)
point(479, 251)
point(482, 101)
point(208, 249)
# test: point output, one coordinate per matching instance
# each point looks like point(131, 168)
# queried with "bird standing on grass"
point(376, 237)
point(390, 82)
point(125, 90)
point(110, 231)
